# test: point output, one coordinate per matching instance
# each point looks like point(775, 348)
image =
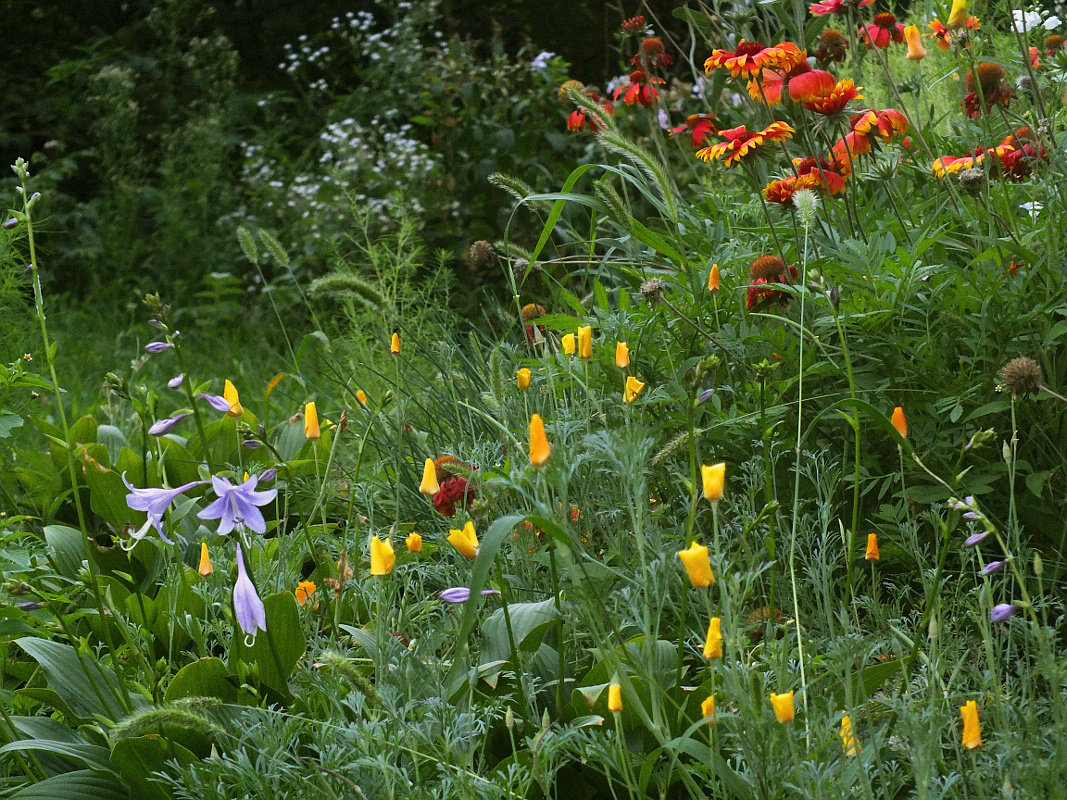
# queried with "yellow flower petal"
point(698, 565)
point(783, 706)
point(568, 344)
point(205, 567)
point(972, 731)
point(382, 557)
point(614, 698)
point(713, 477)
point(633, 388)
point(713, 642)
point(429, 483)
point(394, 344)
point(524, 378)
point(622, 355)
point(413, 542)
point(465, 540)
point(229, 392)
point(311, 421)
point(540, 449)
point(585, 341)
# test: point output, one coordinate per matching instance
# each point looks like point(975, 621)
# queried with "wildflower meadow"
point(438, 420)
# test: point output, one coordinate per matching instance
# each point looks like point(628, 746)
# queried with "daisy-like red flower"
point(1025, 153)
point(832, 46)
point(698, 127)
point(882, 30)
point(652, 55)
point(750, 58)
point(640, 89)
point(455, 488)
point(953, 164)
point(783, 189)
point(885, 124)
point(1053, 42)
point(634, 24)
point(828, 175)
point(770, 82)
point(836, 99)
point(848, 148)
point(766, 270)
point(580, 120)
point(835, 6)
point(740, 142)
point(989, 77)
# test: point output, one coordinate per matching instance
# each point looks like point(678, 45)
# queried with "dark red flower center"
point(749, 49)
point(885, 20)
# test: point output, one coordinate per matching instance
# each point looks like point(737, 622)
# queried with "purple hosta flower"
point(268, 476)
point(971, 516)
point(166, 425)
point(966, 504)
point(461, 594)
point(251, 615)
point(29, 605)
point(154, 502)
point(975, 539)
point(237, 505)
point(1002, 611)
point(176, 381)
point(251, 444)
point(217, 402)
point(993, 567)
point(705, 396)
point(157, 347)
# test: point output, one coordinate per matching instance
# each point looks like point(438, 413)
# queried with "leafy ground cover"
point(745, 480)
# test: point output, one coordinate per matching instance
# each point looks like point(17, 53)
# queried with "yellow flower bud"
point(540, 449)
point(614, 698)
point(713, 478)
point(311, 421)
point(413, 542)
point(429, 483)
point(465, 540)
point(394, 344)
point(381, 556)
point(633, 388)
point(229, 392)
point(713, 642)
point(568, 344)
point(972, 731)
point(524, 378)
point(698, 565)
point(585, 342)
point(622, 355)
point(205, 567)
point(916, 51)
point(783, 706)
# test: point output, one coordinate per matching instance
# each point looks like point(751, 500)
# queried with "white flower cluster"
point(1024, 21)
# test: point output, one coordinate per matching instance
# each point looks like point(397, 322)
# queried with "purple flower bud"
point(971, 515)
point(251, 444)
point(1002, 611)
point(975, 539)
point(166, 425)
point(159, 347)
point(217, 402)
point(176, 335)
point(704, 396)
point(461, 594)
point(176, 381)
point(992, 567)
point(268, 476)
point(10, 223)
point(155, 323)
point(31, 605)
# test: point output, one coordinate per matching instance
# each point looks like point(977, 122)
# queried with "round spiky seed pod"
point(972, 181)
point(1021, 375)
point(652, 289)
point(481, 254)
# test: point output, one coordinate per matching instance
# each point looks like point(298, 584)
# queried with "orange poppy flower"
point(740, 142)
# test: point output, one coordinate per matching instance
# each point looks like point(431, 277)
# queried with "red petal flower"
point(740, 142)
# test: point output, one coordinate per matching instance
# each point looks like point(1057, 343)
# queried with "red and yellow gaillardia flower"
point(848, 148)
point(740, 142)
point(698, 127)
point(986, 87)
point(834, 100)
point(580, 119)
point(884, 124)
point(652, 55)
point(749, 59)
point(766, 270)
point(640, 89)
point(1025, 153)
point(835, 6)
point(832, 46)
point(882, 30)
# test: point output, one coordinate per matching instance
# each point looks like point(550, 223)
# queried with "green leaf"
point(66, 547)
point(82, 784)
point(483, 562)
point(88, 755)
point(138, 757)
point(557, 210)
point(529, 621)
point(107, 497)
point(8, 422)
point(88, 688)
point(207, 677)
point(277, 649)
point(113, 439)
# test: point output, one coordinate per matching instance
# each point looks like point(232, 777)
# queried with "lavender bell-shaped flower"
point(237, 505)
point(251, 615)
point(154, 502)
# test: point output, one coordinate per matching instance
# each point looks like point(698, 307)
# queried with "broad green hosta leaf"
point(86, 687)
point(67, 549)
point(277, 649)
point(137, 758)
point(82, 784)
point(207, 677)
